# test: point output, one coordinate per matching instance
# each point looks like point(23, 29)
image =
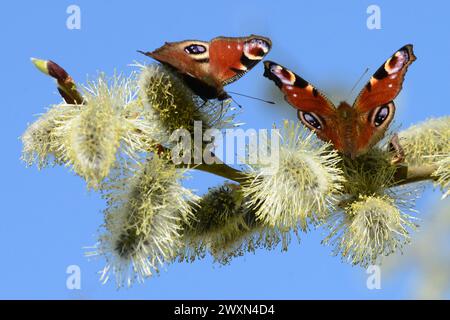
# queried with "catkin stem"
point(404, 174)
point(411, 174)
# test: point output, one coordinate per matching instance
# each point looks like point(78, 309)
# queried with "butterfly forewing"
point(231, 58)
point(314, 109)
point(297, 91)
point(190, 57)
point(386, 82)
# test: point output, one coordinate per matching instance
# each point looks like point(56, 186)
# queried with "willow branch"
point(410, 174)
point(404, 175)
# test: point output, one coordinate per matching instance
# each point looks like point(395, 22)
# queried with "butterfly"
point(353, 130)
point(206, 67)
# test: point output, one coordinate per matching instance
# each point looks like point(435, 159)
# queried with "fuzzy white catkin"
point(368, 229)
point(147, 208)
point(302, 188)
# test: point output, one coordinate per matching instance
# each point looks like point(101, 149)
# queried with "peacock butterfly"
point(352, 130)
point(207, 67)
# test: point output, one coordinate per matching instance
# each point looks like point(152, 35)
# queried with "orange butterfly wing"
point(178, 56)
point(314, 109)
point(298, 92)
point(208, 66)
point(386, 82)
point(374, 105)
point(231, 58)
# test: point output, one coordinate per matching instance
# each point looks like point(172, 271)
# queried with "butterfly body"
point(353, 130)
point(205, 88)
point(206, 67)
point(347, 129)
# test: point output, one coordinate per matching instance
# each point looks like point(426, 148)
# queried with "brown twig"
point(410, 174)
point(404, 175)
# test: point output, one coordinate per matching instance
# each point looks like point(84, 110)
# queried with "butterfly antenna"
point(202, 105)
point(144, 53)
point(244, 95)
point(234, 102)
point(359, 79)
point(221, 115)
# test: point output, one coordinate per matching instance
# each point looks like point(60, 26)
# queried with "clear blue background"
point(47, 217)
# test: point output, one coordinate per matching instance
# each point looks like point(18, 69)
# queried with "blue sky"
point(48, 216)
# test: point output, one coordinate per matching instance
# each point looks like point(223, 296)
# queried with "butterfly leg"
point(221, 110)
point(394, 145)
point(202, 105)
